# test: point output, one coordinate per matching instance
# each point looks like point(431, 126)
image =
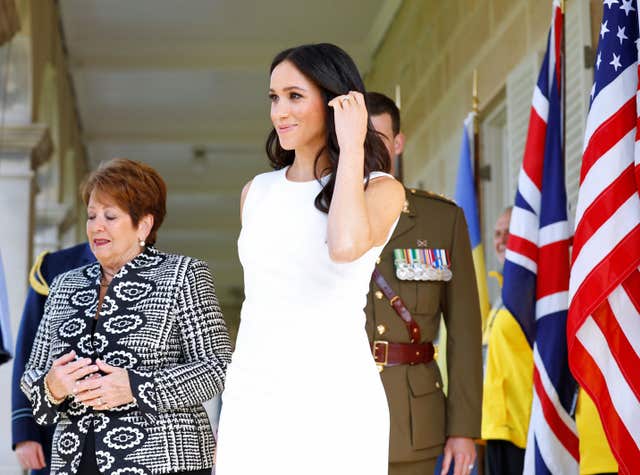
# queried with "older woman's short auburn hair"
point(133, 186)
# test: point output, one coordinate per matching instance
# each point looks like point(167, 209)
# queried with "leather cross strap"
point(398, 305)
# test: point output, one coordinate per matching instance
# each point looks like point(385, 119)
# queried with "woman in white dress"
point(303, 395)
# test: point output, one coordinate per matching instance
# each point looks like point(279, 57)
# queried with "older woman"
point(129, 347)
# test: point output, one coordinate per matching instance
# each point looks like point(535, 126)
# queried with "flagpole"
point(563, 102)
point(563, 75)
point(475, 108)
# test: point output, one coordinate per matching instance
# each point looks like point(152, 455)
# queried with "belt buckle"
point(386, 351)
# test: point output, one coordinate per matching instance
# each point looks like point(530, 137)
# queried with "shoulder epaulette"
point(430, 194)
point(498, 276)
point(36, 279)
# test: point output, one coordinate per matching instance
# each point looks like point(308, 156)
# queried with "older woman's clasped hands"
point(65, 374)
point(81, 379)
point(113, 389)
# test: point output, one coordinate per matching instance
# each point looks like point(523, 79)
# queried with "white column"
point(51, 220)
point(23, 150)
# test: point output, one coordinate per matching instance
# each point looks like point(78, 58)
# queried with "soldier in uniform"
point(32, 442)
point(424, 273)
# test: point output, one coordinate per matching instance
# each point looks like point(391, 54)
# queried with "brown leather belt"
point(394, 354)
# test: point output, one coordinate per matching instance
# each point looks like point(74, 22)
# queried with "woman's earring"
point(142, 243)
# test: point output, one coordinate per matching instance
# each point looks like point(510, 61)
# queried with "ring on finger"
point(344, 99)
point(470, 467)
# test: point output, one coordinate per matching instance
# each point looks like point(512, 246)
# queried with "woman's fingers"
point(345, 100)
point(83, 371)
point(87, 385)
point(96, 402)
point(106, 368)
point(337, 102)
point(350, 116)
point(89, 395)
point(358, 97)
point(64, 359)
point(75, 365)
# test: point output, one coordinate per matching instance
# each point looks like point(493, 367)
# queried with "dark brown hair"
point(378, 104)
point(335, 73)
point(133, 186)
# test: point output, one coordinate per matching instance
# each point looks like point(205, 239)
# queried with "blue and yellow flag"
point(466, 199)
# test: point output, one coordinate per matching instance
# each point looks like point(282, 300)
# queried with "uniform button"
point(381, 329)
point(438, 384)
point(378, 260)
point(379, 294)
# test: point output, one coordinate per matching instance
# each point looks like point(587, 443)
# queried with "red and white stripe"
point(603, 328)
point(560, 447)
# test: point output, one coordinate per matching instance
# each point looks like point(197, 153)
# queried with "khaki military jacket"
point(421, 416)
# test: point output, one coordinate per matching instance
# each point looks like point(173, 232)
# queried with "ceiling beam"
point(254, 57)
point(112, 131)
point(381, 24)
point(238, 141)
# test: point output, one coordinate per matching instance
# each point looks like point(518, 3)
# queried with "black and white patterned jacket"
point(160, 319)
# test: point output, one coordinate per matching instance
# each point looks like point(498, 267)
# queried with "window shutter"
point(520, 83)
point(9, 20)
point(578, 86)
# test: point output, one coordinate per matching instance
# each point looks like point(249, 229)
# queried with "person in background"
point(30, 441)
point(508, 379)
point(409, 294)
point(131, 346)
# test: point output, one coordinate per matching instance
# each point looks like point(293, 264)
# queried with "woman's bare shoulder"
point(243, 195)
point(245, 190)
point(387, 188)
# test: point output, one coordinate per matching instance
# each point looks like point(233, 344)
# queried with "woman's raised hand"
point(350, 116)
point(65, 372)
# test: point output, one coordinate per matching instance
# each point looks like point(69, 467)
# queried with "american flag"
point(603, 329)
point(536, 270)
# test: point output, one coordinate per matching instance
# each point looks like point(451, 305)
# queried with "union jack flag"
point(536, 270)
point(603, 328)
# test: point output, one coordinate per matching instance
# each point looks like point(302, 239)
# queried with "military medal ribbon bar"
point(422, 264)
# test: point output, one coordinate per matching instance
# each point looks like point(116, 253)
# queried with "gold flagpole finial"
point(562, 5)
point(475, 105)
point(398, 100)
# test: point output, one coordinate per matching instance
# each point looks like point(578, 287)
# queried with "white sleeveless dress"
point(303, 394)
